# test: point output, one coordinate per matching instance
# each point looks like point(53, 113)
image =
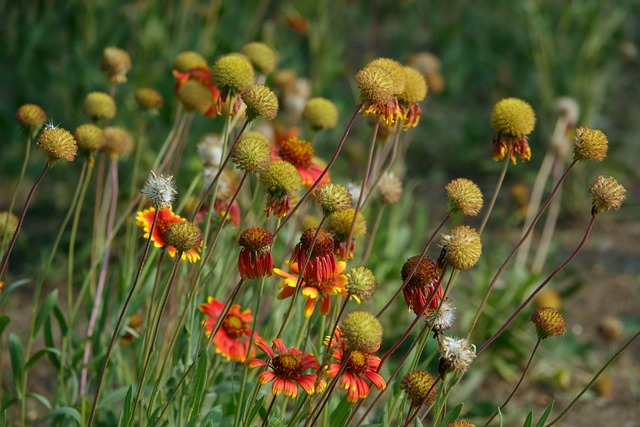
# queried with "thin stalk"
point(311, 420)
point(392, 159)
point(503, 172)
point(266, 416)
point(176, 129)
point(372, 237)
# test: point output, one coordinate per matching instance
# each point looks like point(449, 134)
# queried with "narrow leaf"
point(66, 412)
point(197, 389)
point(17, 358)
point(544, 416)
point(39, 354)
point(45, 310)
point(4, 321)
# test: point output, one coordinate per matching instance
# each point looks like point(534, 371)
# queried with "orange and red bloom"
point(423, 284)
point(166, 218)
point(300, 154)
point(201, 74)
point(255, 259)
point(286, 368)
point(232, 339)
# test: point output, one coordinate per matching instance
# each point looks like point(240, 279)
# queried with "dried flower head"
point(183, 236)
point(362, 331)
point(252, 153)
point(255, 260)
point(89, 137)
point(465, 196)
point(99, 105)
point(333, 198)
point(31, 117)
point(232, 73)
point(361, 283)
point(456, 354)
point(117, 141)
point(58, 143)
point(548, 322)
point(461, 423)
point(423, 284)
point(513, 117)
point(320, 113)
point(261, 56)
point(463, 247)
point(116, 62)
point(590, 144)
point(419, 387)
point(210, 149)
point(149, 99)
point(415, 89)
point(159, 190)
point(281, 180)
point(261, 101)
point(443, 317)
point(188, 60)
point(395, 70)
point(607, 194)
point(390, 188)
point(376, 84)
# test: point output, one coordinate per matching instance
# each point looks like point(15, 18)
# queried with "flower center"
point(287, 366)
point(233, 326)
point(358, 362)
point(298, 153)
point(256, 239)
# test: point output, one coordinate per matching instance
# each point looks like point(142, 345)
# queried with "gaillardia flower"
point(232, 339)
point(424, 282)
point(317, 255)
point(415, 90)
point(378, 94)
point(513, 119)
point(255, 260)
point(300, 154)
point(286, 369)
point(262, 57)
point(607, 194)
point(281, 180)
point(548, 322)
point(31, 117)
point(339, 224)
point(196, 91)
point(166, 218)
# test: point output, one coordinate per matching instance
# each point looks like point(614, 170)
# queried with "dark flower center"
point(287, 366)
point(233, 326)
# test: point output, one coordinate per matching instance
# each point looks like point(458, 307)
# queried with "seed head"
point(210, 150)
point(390, 188)
point(340, 223)
point(261, 101)
point(361, 283)
point(607, 194)
point(425, 274)
point(395, 70)
point(362, 331)
point(195, 96)
point(281, 178)
point(256, 239)
point(58, 143)
point(116, 62)
point(548, 322)
point(232, 72)
point(159, 190)
point(442, 319)
point(375, 84)
point(417, 384)
point(333, 198)
point(31, 117)
point(456, 354)
point(463, 247)
point(590, 144)
point(8, 224)
point(461, 423)
point(415, 89)
point(89, 137)
point(149, 99)
point(252, 154)
point(262, 57)
point(320, 113)
point(99, 105)
point(465, 196)
point(309, 221)
point(183, 236)
point(513, 117)
point(187, 60)
point(323, 243)
point(117, 141)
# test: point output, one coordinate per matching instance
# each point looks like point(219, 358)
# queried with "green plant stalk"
point(392, 159)
point(315, 413)
point(176, 130)
point(494, 197)
point(372, 237)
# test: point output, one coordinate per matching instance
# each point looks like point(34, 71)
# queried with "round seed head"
point(99, 105)
point(31, 117)
point(590, 144)
point(252, 154)
point(548, 322)
point(513, 117)
point(89, 137)
point(323, 244)
point(333, 198)
point(461, 423)
point(58, 143)
point(117, 141)
point(116, 62)
point(340, 223)
point(261, 56)
point(607, 194)
point(463, 247)
point(149, 98)
point(417, 384)
point(281, 178)
point(465, 196)
point(320, 113)
point(395, 70)
point(261, 101)
point(442, 318)
point(232, 72)
point(256, 239)
point(390, 188)
point(456, 354)
point(159, 190)
point(415, 89)
point(425, 274)
point(8, 224)
point(195, 96)
point(375, 84)
point(361, 282)
point(183, 236)
point(187, 60)
point(362, 331)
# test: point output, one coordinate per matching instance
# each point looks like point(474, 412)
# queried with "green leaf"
point(4, 322)
point(3, 418)
point(341, 413)
point(48, 340)
point(45, 310)
point(17, 358)
point(254, 410)
point(197, 388)
point(62, 323)
point(38, 355)
point(9, 289)
point(451, 415)
point(65, 412)
point(40, 398)
point(529, 421)
point(128, 402)
point(544, 416)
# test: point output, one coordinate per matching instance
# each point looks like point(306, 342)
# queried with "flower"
point(232, 339)
point(255, 260)
point(513, 119)
point(287, 368)
point(361, 283)
point(377, 89)
point(320, 113)
point(187, 60)
point(332, 198)
point(319, 259)
point(423, 283)
point(89, 137)
point(464, 196)
point(312, 290)
point(159, 190)
point(281, 180)
point(184, 236)
point(456, 354)
point(232, 73)
point(252, 153)
point(415, 90)
point(300, 154)
point(166, 218)
point(607, 194)
point(201, 94)
point(148, 99)
point(31, 117)
point(339, 224)
point(548, 322)
point(116, 141)
point(417, 384)
point(462, 247)
point(359, 365)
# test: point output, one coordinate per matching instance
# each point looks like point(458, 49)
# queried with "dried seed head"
point(252, 154)
point(58, 143)
point(456, 354)
point(390, 188)
point(362, 331)
point(442, 319)
point(187, 60)
point(149, 98)
point(261, 56)
point(183, 236)
point(195, 96)
point(261, 101)
point(463, 247)
point(281, 178)
point(333, 198)
point(232, 72)
point(548, 322)
point(99, 105)
point(361, 283)
point(256, 239)
point(322, 246)
point(513, 117)
point(340, 223)
point(210, 149)
point(607, 194)
point(395, 70)
point(426, 273)
point(116, 62)
point(31, 117)
point(415, 89)
point(89, 137)
point(417, 384)
point(590, 144)
point(159, 190)
point(375, 84)
point(117, 141)
point(465, 196)
point(320, 113)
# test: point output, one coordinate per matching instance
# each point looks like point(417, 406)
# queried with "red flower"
point(423, 283)
point(201, 74)
point(286, 369)
point(300, 154)
point(166, 217)
point(255, 259)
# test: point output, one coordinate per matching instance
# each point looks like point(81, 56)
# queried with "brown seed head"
point(548, 322)
point(607, 194)
point(463, 247)
point(31, 117)
point(465, 196)
point(590, 144)
point(117, 141)
point(58, 143)
point(256, 239)
point(362, 331)
point(116, 62)
point(417, 384)
point(149, 98)
point(426, 273)
point(390, 188)
point(323, 244)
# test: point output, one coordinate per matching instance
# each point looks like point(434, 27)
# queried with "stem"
point(374, 231)
point(327, 394)
point(266, 416)
point(23, 171)
point(495, 195)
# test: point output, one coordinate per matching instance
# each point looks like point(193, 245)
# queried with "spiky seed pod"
point(417, 384)
point(58, 143)
point(232, 73)
point(375, 84)
point(456, 354)
point(415, 89)
point(256, 239)
point(590, 144)
point(333, 198)
point(607, 194)
point(31, 117)
point(390, 188)
point(89, 137)
point(362, 331)
point(261, 101)
point(340, 223)
point(183, 236)
point(395, 70)
point(262, 57)
point(548, 322)
point(425, 274)
point(320, 113)
point(464, 196)
point(252, 154)
point(513, 117)
point(149, 98)
point(361, 283)
point(442, 318)
point(99, 105)
point(195, 96)
point(117, 141)
point(463, 247)
point(117, 63)
point(159, 190)
point(281, 177)
point(8, 224)
point(187, 60)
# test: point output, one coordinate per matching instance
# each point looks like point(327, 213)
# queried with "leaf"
point(65, 411)
point(254, 410)
point(38, 355)
point(341, 413)
point(128, 402)
point(197, 389)
point(40, 398)
point(62, 323)
point(17, 359)
point(451, 415)
point(48, 340)
point(544, 416)
point(9, 289)
point(4, 322)
point(529, 421)
point(3, 418)
point(45, 311)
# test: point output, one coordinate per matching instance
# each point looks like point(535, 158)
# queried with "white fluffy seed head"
point(160, 190)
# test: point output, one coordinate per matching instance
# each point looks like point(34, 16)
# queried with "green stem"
point(23, 171)
point(494, 197)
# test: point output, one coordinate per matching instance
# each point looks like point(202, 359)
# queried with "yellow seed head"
point(465, 196)
point(309, 221)
point(31, 117)
point(149, 98)
point(116, 62)
point(361, 282)
point(117, 141)
point(99, 105)
point(375, 84)
point(548, 322)
point(607, 194)
point(395, 70)
point(362, 331)
point(333, 198)
point(195, 96)
point(340, 223)
point(58, 143)
point(89, 137)
point(590, 144)
point(513, 117)
point(415, 89)
point(188, 60)
point(261, 56)
point(417, 384)
point(281, 178)
point(320, 113)
point(232, 72)
point(252, 154)
point(183, 236)
point(461, 423)
point(463, 247)
point(261, 101)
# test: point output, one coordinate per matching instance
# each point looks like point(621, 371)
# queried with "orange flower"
point(287, 369)
point(300, 154)
point(201, 74)
point(231, 340)
point(166, 217)
point(311, 289)
point(360, 365)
